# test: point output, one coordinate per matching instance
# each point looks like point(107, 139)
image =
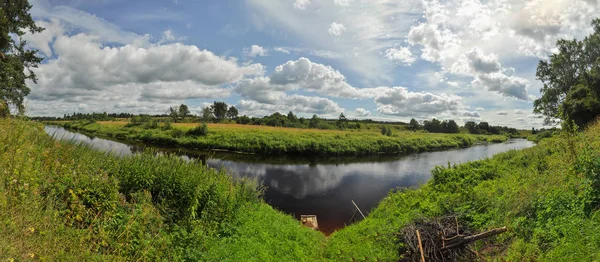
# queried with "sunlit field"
point(280, 140)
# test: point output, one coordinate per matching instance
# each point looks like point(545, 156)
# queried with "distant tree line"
point(434, 126)
point(221, 112)
point(485, 128)
point(87, 116)
point(291, 120)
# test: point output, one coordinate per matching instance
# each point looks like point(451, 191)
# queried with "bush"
point(177, 133)
point(4, 110)
point(201, 130)
point(167, 125)
point(386, 131)
point(151, 124)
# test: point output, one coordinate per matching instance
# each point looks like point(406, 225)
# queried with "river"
point(322, 186)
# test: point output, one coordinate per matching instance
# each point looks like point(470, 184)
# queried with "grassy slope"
point(270, 140)
point(548, 197)
point(64, 202)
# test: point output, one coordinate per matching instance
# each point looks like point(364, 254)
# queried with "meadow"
point(65, 202)
point(279, 140)
point(60, 201)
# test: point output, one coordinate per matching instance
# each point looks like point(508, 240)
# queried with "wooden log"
point(463, 240)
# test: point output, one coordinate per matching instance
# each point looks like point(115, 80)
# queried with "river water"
point(322, 186)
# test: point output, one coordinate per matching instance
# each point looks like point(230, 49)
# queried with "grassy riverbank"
point(274, 140)
point(60, 201)
point(548, 196)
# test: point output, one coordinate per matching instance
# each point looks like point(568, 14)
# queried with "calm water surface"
point(322, 186)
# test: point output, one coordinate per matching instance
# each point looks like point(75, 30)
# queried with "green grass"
point(60, 201)
point(548, 196)
point(277, 140)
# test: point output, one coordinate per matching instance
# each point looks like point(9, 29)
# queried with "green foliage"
point(289, 141)
point(342, 122)
point(16, 60)
point(86, 205)
point(437, 126)
point(183, 111)
point(219, 110)
point(547, 196)
point(67, 202)
point(232, 112)
point(4, 110)
point(571, 80)
point(201, 130)
point(582, 104)
point(167, 125)
point(314, 121)
point(177, 133)
point(386, 131)
point(414, 125)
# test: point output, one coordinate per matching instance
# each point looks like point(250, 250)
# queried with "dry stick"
point(468, 239)
point(456, 220)
point(361, 213)
point(420, 246)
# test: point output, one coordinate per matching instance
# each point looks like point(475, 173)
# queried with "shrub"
point(386, 131)
point(167, 125)
point(201, 130)
point(177, 133)
point(151, 124)
point(4, 110)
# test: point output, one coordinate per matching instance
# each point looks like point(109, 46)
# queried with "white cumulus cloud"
point(401, 55)
point(336, 29)
point(255, 50)
point(301, 4)
point(361, 112)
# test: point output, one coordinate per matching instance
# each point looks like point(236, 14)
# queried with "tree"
point(219, 109)
point(433, 126)
point(569, 74)
point(232, 113)
point(472, 127)
point(14, 58)
point(451, 127)
point(414, 125)
point(291, 117)
point(314, 122)
point(243, 120)
point(207, 114)
point(342, 121)
point(173, 113)
point(484, 126)
point(582, 104)
point(183, 111)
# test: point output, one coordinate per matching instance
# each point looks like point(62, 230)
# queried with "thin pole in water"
point(361, 213)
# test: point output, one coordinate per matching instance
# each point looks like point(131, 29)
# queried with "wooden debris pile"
point(440, 239)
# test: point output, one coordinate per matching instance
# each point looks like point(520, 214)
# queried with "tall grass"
point(548, 196)
point(274, 140)
point(62, 201)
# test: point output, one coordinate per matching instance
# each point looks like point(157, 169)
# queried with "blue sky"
point(466, 60)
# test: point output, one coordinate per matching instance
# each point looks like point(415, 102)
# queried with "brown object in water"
point(309, 221)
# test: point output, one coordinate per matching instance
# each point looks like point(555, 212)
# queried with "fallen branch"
point(440, 239)
point(465, 240)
